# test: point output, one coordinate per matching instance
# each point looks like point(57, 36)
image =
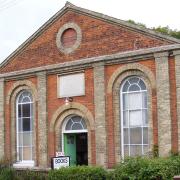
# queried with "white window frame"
point(128, 127)
point(24, 163)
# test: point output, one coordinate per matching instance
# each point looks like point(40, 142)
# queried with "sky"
point(19, 19)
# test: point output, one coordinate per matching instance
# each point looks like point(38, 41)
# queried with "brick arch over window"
point(11, 101)
point(21, 85)
point(64, 111)
point(113, 88)
point(134, 66)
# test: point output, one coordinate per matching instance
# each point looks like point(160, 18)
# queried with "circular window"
point(68, 38)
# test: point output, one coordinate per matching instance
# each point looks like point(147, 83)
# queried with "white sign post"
point(61, 161)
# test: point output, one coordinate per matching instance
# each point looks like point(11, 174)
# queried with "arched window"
point(134, 120)
point(75, 124)
point(24, 127)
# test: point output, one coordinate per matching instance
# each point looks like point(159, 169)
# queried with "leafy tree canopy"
point(164, 30)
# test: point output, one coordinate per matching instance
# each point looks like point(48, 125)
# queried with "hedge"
point(139, 168)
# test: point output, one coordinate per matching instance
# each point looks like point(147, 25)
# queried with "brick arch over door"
point(11, 102)
point(113, 88)
point(58, 119)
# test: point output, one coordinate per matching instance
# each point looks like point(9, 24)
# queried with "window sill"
point(24, 164)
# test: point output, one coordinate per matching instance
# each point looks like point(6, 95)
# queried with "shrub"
point(148, 168)
point(78, 172)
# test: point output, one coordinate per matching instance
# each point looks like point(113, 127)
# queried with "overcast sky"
point(21, 18)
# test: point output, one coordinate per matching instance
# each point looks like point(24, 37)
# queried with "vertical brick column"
point(177, 71)
point(163, 103)
point(100, 119)
point(42, 119)
point(2, 132)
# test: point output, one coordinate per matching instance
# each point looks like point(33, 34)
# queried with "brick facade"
point(108, 52)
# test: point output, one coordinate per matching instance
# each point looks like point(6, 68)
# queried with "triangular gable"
point(23, 53)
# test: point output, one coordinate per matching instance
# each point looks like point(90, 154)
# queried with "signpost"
point(61, 161)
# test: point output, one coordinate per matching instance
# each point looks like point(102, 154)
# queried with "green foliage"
point(147, 169)
point(30, 175)
point(155, 151)
point(6, 174)
point(139, 168)
point(78, 172)
point(164, 30)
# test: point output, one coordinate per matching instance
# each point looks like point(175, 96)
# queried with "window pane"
point(135, 118)
point(83, 124)
point(144, 99)
point(144, 117)
point(20, 124)
point(125, 101)
point(133, 80)
point(126, 136)
point(136, 150)
point(142, 85)
point(77, 126)
point(19, 111)
point(135, 101)
point(136, 135)
point(125, 118)
point(26, 99)
point(27, 139)
point(27, 153)
point(126, 150)
point(145, 135)
point(26, 110)
point(26, 124)
point(125, 87)
point(69, 124)
point(134, 87)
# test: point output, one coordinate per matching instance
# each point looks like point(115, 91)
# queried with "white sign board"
point(71, 85)
point(59, 154)
point(62, 161)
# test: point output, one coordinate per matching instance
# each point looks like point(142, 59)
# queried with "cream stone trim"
point(11, 99)
point(59, 117)
point(18, 84)
point(59, 35)
point(72, 105)
point(133, 66)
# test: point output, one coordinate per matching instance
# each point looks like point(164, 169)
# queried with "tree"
point(164, 30)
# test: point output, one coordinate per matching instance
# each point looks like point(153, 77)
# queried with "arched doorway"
point(75, 140)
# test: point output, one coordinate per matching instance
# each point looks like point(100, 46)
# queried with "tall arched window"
point(24, 127)
point(134, 120)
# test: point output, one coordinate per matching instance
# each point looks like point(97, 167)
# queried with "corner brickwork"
point(163, 103)
point(42, 119)
point(2, 120)
point(177, 70)
point(100, 117)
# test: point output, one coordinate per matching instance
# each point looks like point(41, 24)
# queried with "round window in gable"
point(68, 38)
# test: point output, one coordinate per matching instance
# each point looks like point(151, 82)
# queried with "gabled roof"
point(69, 6)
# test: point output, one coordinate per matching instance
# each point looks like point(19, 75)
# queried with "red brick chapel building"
point(93, 87)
